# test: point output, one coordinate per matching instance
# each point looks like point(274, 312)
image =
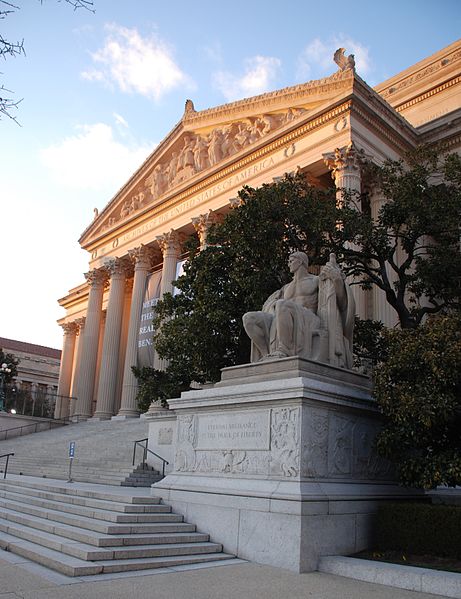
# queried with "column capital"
point(96, 277)
point(69, 328)
point(235, 202)
point(347, 158)
point(80, 323)
point(118, 266)
point(141, 256)
point(170, 242)
point(201, 224)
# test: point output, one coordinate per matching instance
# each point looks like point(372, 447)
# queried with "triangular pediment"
point(203, 140)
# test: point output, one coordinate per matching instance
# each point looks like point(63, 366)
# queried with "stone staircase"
point(103, 451)
point(142, 476)
point(82, 529)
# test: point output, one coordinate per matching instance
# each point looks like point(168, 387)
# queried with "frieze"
point(285, 442)
point(436, 66)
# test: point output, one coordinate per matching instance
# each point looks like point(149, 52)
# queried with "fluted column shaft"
point(111, 344)
point(65, 373)
point(345, 164)
point(142, 258)
point(80, 322)
point(96, 280)
point(170, 244)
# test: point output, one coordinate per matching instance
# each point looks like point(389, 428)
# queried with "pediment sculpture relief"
point(195, 153)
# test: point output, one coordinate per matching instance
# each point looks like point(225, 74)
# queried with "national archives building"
point(192, 178)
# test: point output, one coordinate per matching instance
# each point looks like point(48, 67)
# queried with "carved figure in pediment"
point(159, 181)
point(268, 123)
point(242, 136)
point(215, 146)
point(186, 156)
point(254, 130)
point(201, 153)
point(172, 168)
point(126, 208)
point(228, 143)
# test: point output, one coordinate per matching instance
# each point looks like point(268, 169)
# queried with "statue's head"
point(297, 257)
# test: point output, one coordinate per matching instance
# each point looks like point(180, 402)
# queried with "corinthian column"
point(142, 258)
point(345, 165)
point(111, 344)
point(61, 409)
point(201, 224)
point(80, 323)
point(170, 244)
point(96, 280)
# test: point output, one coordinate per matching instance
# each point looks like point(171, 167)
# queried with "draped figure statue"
point(310, 317)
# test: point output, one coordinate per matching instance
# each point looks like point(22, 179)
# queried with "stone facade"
point(193, 177)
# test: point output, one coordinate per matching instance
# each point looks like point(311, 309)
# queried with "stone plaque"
point(165, 436)
point(244, 431)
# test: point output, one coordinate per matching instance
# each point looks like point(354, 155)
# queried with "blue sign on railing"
point(72, 449)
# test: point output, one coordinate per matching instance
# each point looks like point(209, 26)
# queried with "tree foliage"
point(156, 386)
point(418, 389)
point(411, 248)
point(12, 363)
point(246, 260)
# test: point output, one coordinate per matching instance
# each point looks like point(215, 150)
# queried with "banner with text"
point(146, 324)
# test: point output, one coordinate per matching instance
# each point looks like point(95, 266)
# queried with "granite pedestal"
point(276, 462)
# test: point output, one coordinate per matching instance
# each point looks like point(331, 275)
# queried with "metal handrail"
point(145, 450)
point(50, 424)
point(7, 456)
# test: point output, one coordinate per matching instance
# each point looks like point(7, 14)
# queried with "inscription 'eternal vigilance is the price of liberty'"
point(246, 431)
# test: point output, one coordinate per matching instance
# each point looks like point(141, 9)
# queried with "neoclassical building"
point(193, 177)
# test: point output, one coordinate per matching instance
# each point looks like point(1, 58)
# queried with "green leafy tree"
point(12, 363)
point(411, 250)
point(200, 329)
point(418, 389)
point(156, 386)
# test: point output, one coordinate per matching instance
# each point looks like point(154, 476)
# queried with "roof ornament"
point(189, 107)
point(345, 63)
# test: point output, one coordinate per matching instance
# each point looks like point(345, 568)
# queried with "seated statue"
point(310, 317)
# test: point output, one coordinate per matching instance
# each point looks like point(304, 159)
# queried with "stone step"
point(88, 522)
point(74, 499)
point(159, 533)
point(72, 566)
point(88, 552)
point(101, 492)
point(85, 510)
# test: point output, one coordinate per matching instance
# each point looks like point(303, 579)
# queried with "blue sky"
point(101, 90)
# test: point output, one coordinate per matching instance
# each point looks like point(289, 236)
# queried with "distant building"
point(38, 369)
point(321, 128)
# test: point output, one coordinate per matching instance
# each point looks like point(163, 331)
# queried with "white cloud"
point(259, 77)
point(316, 60)
point(93, 159)
point(135, 64)
point(120, 120)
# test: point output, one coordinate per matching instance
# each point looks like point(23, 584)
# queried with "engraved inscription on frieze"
point(165, 436)
point(243, 431)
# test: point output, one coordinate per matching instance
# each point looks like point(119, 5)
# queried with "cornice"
point(290, 94)
point(422, 70)
point(432, 92)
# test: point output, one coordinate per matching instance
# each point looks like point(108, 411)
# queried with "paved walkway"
point(21, 579)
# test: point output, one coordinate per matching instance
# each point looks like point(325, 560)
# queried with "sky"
point(99, 90)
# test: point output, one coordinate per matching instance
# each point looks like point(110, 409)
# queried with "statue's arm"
point(270, 302)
